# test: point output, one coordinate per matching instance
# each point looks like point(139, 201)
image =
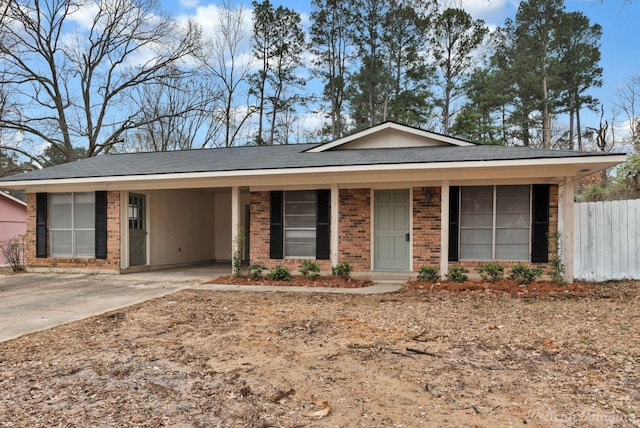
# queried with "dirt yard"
point(417, 358)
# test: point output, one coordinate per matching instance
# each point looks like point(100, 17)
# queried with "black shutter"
point(41, 224)
point(454, 220)
point(276, 234)
point(540, 223)
point(101, 225)
point(323, 224)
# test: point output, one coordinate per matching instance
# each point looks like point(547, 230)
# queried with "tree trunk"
point(571, 116)
point(578, 128)
point(546, 116)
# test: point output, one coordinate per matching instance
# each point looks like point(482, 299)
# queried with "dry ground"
point(416, 358)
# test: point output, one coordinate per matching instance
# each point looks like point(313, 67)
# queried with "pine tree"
point(455, 41)
point(331, 36)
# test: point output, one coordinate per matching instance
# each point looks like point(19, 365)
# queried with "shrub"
point(255, 270)
point(236, 258)
point(457, 274)
point(427, 273)
point(524, 274)
point(555, 261)
point(280, 273)
point(310, 269)
point(491, 272)
point(13, 251)
point(343, 270)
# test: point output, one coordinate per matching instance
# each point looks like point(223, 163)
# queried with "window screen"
point(300, 211)
point(495, 222)
point(72, 220)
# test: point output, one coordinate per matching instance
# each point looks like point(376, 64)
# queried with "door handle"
point(407, 237)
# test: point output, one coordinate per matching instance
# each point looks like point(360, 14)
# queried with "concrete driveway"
point(34, 301)
point(30, 302)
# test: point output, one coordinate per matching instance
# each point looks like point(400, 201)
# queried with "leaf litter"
point(416, 358)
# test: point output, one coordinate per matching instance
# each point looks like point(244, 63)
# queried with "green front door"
point(391, 230)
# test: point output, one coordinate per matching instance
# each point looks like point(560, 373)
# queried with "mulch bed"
point(506, 286)
point(296, 280)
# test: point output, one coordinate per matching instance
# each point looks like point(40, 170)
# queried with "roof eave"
point(566, 166)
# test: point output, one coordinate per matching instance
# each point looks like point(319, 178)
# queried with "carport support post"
point(567, 217)
point(235, 225)
point(335, 215)
point(444, 229)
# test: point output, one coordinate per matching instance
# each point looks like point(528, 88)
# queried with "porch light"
point(427, 195)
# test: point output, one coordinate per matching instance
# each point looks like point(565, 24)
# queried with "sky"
point(620, 43)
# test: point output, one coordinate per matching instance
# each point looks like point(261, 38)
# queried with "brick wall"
point(260, 239)
point(111, 263)
point(355, 228)
point(553, 227)
point(426, 227)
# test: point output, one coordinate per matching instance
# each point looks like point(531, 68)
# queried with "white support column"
point(567, 217)
point(335, 220)
point(444, 229)
point(235, 220)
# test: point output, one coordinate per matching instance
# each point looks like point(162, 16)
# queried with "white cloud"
point(189, 4)
point(491, 11)
point(84, 16)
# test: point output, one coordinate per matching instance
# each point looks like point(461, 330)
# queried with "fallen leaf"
point(326, 409)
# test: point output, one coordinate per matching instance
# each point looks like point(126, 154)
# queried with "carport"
point(162, 228)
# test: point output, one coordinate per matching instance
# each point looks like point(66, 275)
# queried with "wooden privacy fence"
point(607, 240)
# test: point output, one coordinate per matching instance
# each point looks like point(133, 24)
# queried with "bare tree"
point(628, 100)
point(178, 114)
point(73, 79)
point(224, 60)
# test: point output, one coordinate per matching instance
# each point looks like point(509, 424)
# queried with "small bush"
point(457, 274)
point(524, 274)
point(280, 273)
point(343, 270)
point(429, 274)
point(310, 269)
point(255, 270)
point(13, 251)
point(491, 272)
point(236, 257)
point(555, 261)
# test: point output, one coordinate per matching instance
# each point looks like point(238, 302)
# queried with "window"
point(72, 224)
point(495, 222)
point(300, 219)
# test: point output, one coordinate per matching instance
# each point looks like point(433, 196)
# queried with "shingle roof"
point(251, 158)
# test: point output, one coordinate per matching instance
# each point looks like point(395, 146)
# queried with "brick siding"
point(111, 263)
point(260, 204)
point(354, 230)
point(553, 227)
point(426, 227)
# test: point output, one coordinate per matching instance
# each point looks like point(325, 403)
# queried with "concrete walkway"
point(31, 302)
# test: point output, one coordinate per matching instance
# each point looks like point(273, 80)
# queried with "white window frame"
point(285, 228)
point(71, 229)
point(494, 228)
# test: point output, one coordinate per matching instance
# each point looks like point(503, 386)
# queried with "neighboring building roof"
point(13, 199)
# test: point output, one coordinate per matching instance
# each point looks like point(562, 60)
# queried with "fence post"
point(567, 217)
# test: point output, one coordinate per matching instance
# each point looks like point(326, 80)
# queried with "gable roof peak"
point(424, 137)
